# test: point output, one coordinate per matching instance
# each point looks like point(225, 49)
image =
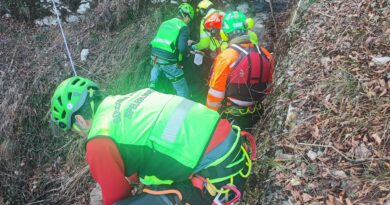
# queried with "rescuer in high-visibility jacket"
point(206, 41)
point(180, 149)
point(168, 48)
point(241, 75)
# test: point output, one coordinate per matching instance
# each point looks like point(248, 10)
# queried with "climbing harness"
point(233, 163)
point(63, 36)
point(177, 194)
point(172, 79)
point(218, 201)
point(240, 111)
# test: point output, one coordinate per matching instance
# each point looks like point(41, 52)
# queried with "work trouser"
point(200, 75)
point(174, 74)
point(233, 168)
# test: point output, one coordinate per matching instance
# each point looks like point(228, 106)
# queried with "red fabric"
point(107, 169)
point(220, 134)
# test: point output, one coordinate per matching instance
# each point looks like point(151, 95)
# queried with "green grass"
point(132, 43)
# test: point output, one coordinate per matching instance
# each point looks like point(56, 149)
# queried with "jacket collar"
point(240, 40)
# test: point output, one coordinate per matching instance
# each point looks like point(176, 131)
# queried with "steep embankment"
point(327, 123)
point(35, 166)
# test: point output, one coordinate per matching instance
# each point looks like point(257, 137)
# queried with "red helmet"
point(213, 22)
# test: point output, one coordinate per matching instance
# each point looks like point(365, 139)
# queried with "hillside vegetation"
point(38, 164)
point(327, 127)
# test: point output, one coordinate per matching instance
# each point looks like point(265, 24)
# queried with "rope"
point(63, 36)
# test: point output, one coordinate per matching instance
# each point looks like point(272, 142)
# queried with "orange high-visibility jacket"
point(220, 73)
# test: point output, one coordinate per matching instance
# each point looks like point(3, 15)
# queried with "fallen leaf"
point(330, 200)
point(288, 187)
point(295, 181)
point(362, 152)
point(388, 165)
point(296, 195)
point(383, 188)
point(377, 139)
point(369, 41)
point(282, 157)
point(306, 197)
point(339, 173)
point(348, 201)
point(315, 132)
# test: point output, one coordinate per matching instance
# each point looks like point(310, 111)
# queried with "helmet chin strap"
point(92, 103)
point(75, 125)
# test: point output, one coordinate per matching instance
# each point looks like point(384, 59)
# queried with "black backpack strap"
point(261, 63)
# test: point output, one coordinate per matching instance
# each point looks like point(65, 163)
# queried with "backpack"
point(251, 74)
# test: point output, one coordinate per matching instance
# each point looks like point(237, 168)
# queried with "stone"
point(49, 21)
point(339, 173)
point(259, 27)
point(38, 22)
point(84, 54)
point(381, 60)
point(312, 155)
point(163, 1)
point(83, 8)
point(243, 7)
point(361, 152)
point(55, 1)
point(95, 198)
point(72, 19)
point(292, 114)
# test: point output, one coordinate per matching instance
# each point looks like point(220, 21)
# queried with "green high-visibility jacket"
point(159, 136)
point(205, 38)
point(167, 35)
point(253, 37)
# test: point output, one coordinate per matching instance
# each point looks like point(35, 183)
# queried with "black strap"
point(261, 67)
point(249, 69)
point(213, 42)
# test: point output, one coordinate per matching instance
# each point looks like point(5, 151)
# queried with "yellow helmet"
point(205, 4)
point(249, 22)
